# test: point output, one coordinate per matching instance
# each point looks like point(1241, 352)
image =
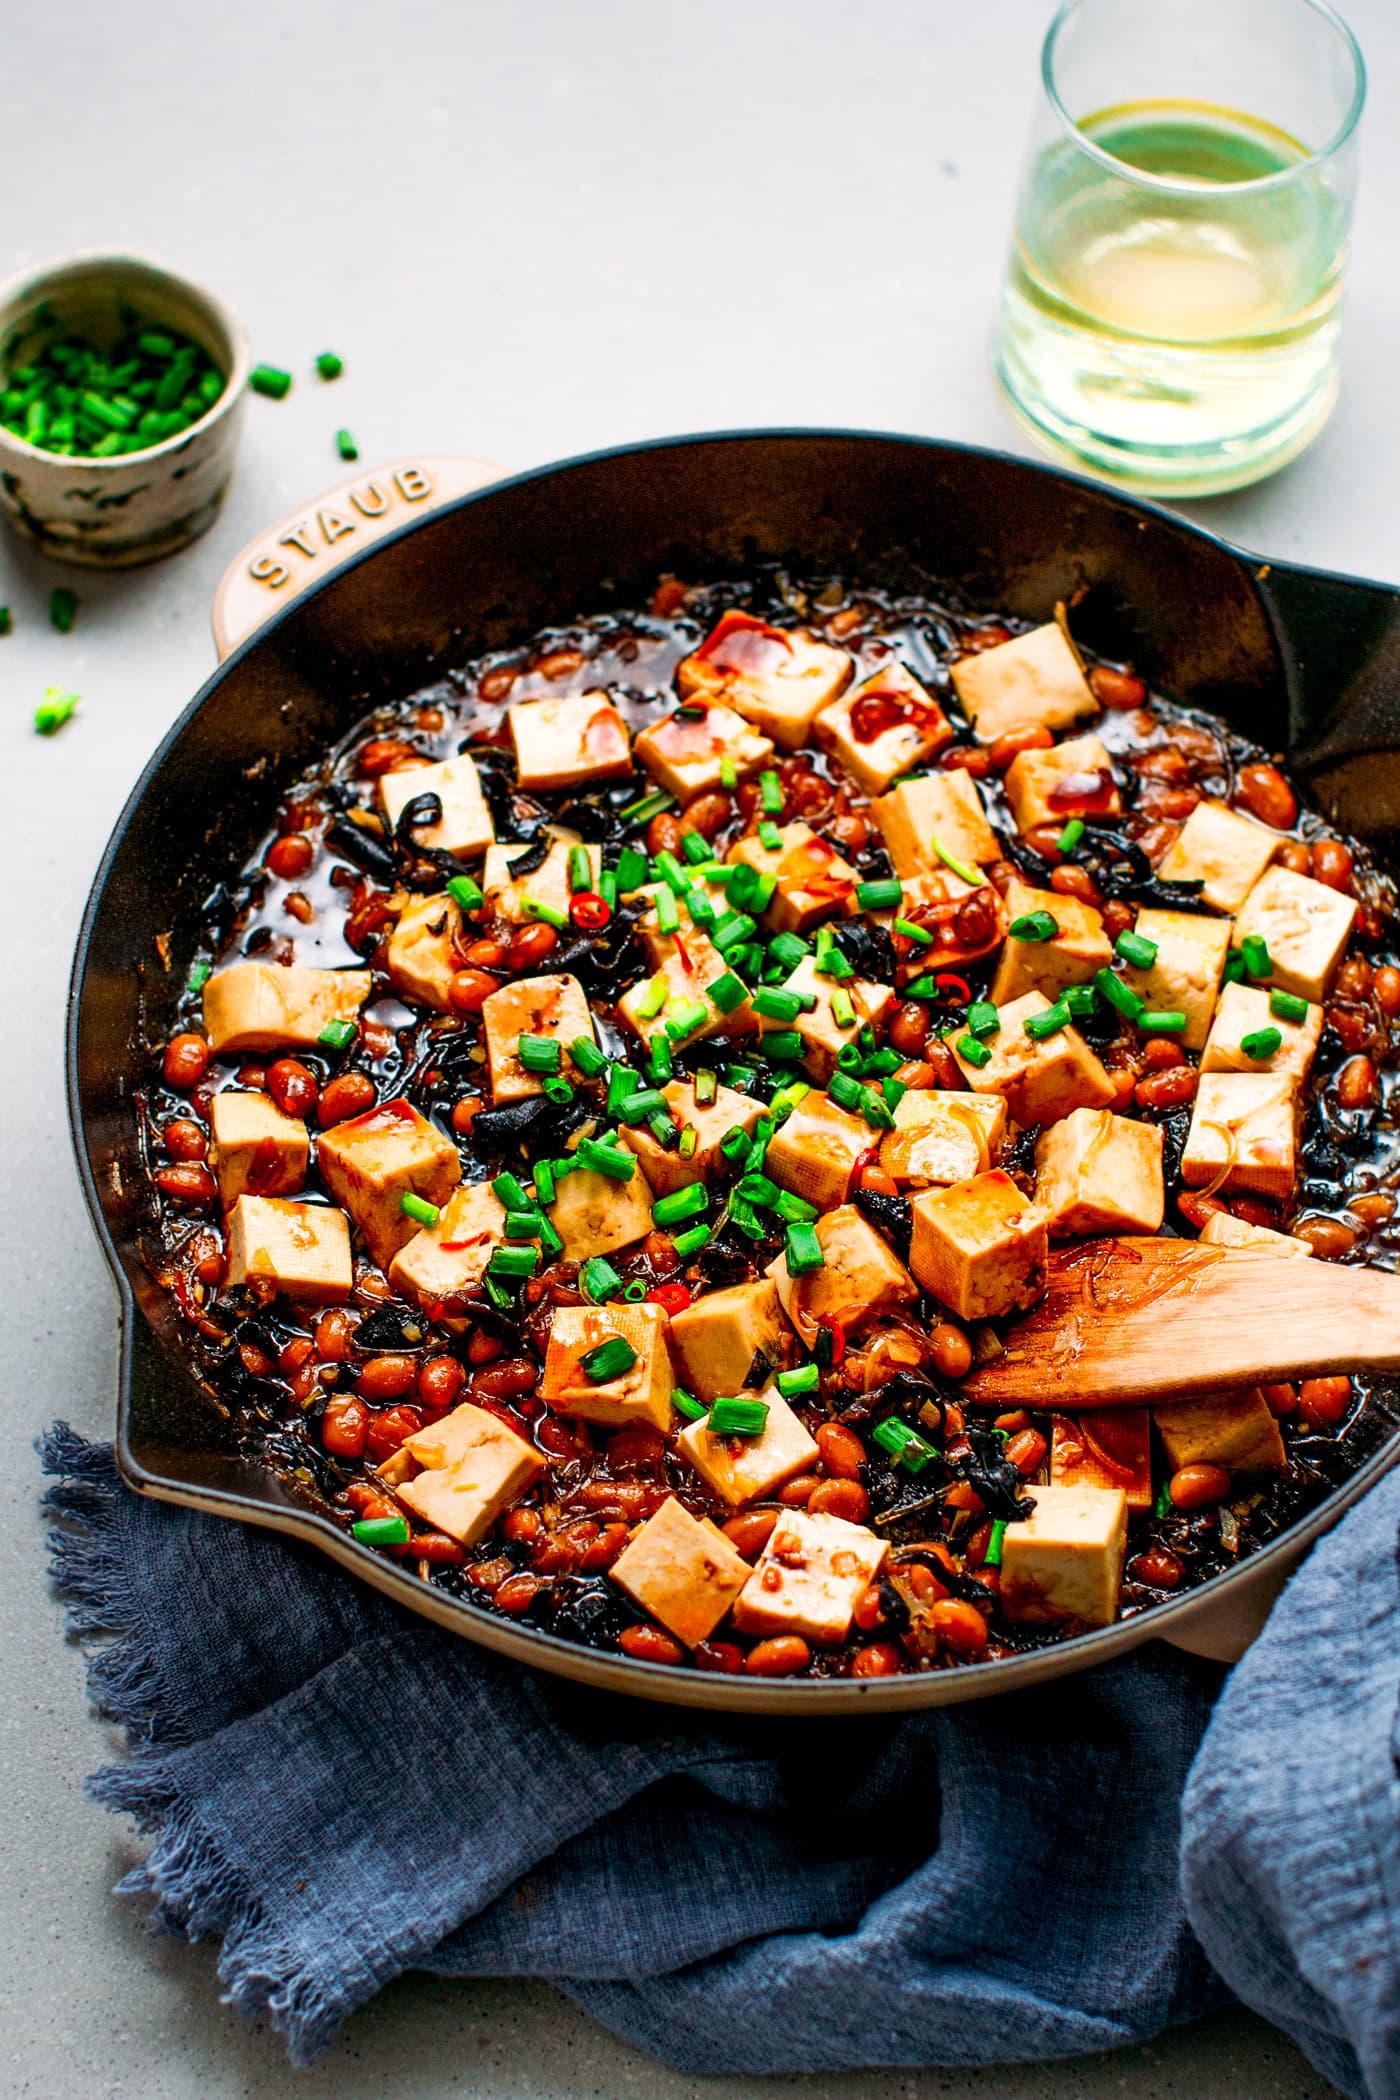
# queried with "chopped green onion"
point(336, 1034)
point(874, 1110)
point(632, 870)
point(770, 789)
point(514, 1261)
point(1136, 950)
point(587, 1056)
point(1233, 972)
point(783, 1045)
point(903, 1444)
point(894, 1091)
point(757, 1189)
point(777, 1006)
point(727, 992)
point(842, 1011)
point(695, 846)
point(1172, 1022)
point(688, 1142)
point(685, 1018)
point(580, 870)
point(509, 1191)
point(53, 711)
point(539, 1053)
point(662, 1128)
point(544, 1182)
point(728, 773)
point(803, 1250)
point(646, 1101)
point(770, 836)
point(63, 608)
point(345, 445)
point(1071, 835)
point(668, 913)
point(973, 1052)
point(653, 998)
point(706, 1087)
point(681, 1205)
point(959, 867)
point(844, 1090)
point(1262, 1043)
point(622, 1083)
point(672, 874)
point(911, 932)
point(329, 365)
point(788, 949)
point(992, 1558)
point(605, 1159)
point(599, 1279)
point(804, 1379)
point(691, 1241)
point(1050, 1022)
point(983, 1019)
point(548, 914)
point(660, 1058)
point(270, 380)
point(6, 619)
point(1034, 926)
point(648, 805)
point(687, 1406)
point(199, 976)
point(795, 1210)
point(884, 895)
point(1121, 997)
point(417, 1208)
point(381, 1531)
point(750, 890)
point(735, 1143)
point(609, 1360)
point(524, 1225)
point(1287, 1006)
point(734, 927)
point(1258, 963)
point(465, 893)
point(1082, 1001)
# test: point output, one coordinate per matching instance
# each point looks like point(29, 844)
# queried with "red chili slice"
point(686, 964)
point(837, 1333)
point(959, 986)
point(671, 1297)
point(589, 910)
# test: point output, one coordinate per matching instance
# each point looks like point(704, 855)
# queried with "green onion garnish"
point(959, 867)
point(646, 1101)
point(6, 619)
point(749, 889)
point(842, 1011)
point(973, 1052)
point(687, 1406)
point(1136, 950)
point(688, 1142)
point(1071, 835)
point(609, 1360)
point(381, 1531)
point(417, 1208)
point(1172, 1022)
point(912, 932)
point(1262, 1043)
point(668, 913)
point(547, 914)
point(345, 445)
point(524, 1225)
point(804, 1379)
point(270, 380)
point(994, 1544)
point(1082, 1001)
point(727, 992)
point(544, 1182)
point(336, 1034)
point(1233, 972)
point(622, 1083)
point(691, 1241)
point(509, 1191)
point(788, 949)
point(728, 773)
point(1034, 926)
point(632, 870)
point(659, 1058)
point(844, 1089)
point(329, 365)
point(648, 805)
point(1050, 1022)
point(884, 895)
point(735, 1417)
point(983, 1019)
point(53, 711)
point(770, 836)
point(803, 1250)
point(1257, 961)
point(874, 1110)
point(903, 1444)
point(695, 846)
point(685, 1018)
point(776, 1005)
point(1287, 1006)
point(605, 1159)
point(770, 790)
point(706, 1087)
point(599, 1279)
point(1121, 997)
point(63, 608)
point(653, 998)
point(539, 1053)
point(734, 1144)
point(199, 976)
point(465, 893)
point(586, 1056)
point(514, 1261)
point(681, 1205)
point(580, 870)
point(795, 1210)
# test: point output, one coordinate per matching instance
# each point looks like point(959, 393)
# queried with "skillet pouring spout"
point(1130, 1320)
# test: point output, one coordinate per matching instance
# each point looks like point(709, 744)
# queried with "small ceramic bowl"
point(114, 513)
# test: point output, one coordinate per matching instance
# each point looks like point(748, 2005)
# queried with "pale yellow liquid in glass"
point(1180, 338)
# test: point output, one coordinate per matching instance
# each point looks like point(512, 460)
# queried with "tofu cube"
point(957, 937)
point(740, 1469)
point(815, 1151)
point(474, 1468)
point(1223, 1230)
point(682, 1571)
point(810, 1577)
point(549, 884)
point(684, 753)
point(1243, 1134)
point(1035, 677)
point(255, 1149)
point(569, 741)
point(370, 1163)
point(687, 970)
point(1073, 779)
point(593, 1214)
point(1042, 1079)
point(861, 1275)
point(642, 1393)
point(779, 678)
point(814, 882)
point(1079, 948)
point(730, 1340)
point(550, 1006)
point(424, 949)
point(883, 726)
point(1235, 1430)
point(1108, 1447)
point(823, 1036)
point(302, 1248)
point(1244, 1010)
point(939, 1138)
point(980, 1246)
point(664, 1168)
point(1098, 1172)
point(1185, 978)
point(465, 827)
point(1225, 850)
point(448, 1260)
point(264, 1006)
point(1304, 923)
point(1065, 1562)
point(942, 806)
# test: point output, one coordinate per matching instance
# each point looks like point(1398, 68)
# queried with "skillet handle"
point(315, 538)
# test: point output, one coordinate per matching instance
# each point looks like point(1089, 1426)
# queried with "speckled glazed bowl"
point(115, 513)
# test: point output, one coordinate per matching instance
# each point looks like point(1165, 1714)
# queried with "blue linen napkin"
point(342, 1792)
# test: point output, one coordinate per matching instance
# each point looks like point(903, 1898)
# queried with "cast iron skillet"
point(1296, 659)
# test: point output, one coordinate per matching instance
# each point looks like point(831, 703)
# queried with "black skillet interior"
point(1298, 660)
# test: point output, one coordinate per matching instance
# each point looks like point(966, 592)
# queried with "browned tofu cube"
point(447, 1261)
point(569, 742)
point(255, 1149)
point(641, 1393)
point(1039, 1078)
point(264, 1006)
point(1225, 850)
point(1185, 978)
point(963, 922)
point(465, 826)
point(939, 1138)
point(779, 678)
point(1305, 926)
point(1107, 1447)
point(823, 1036)
point(1073, 779)
point(1035, 677)
point(662, 1165)
point(685, 752)
point(814, 882)
point(815, 1151)
point(1077, 950)
point(475, 1468)
point(860, 1276)
point(1243, 1134)
point(301, 1248)
point(1098, 1172)
point(556, 1007)
point(548, 884)
point(728, 1341)
point(1235, 1430)
point(979, 1246)
point(372, 1162)
point(942, 806)
point(595, 1215)
point(1064, 1563)
point(883, 726)
point(682, 1571)
point(810, 1577)
point(685, 970)
point(1221, 1229)
point(740, 1469)
point(425, 949)
point(1244, 1011)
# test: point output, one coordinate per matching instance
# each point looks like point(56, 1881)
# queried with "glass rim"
point(1165, 184)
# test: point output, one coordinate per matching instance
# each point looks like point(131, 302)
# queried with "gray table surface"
point(530, 230)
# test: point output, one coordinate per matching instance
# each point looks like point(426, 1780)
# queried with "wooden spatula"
point(1129, 1320)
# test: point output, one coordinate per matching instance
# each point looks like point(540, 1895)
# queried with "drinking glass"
point(1172, 305)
